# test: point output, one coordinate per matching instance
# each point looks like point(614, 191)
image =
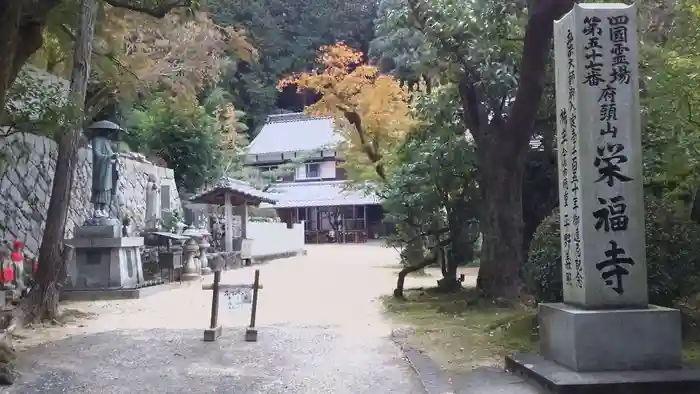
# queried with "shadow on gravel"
point(142, 361)
point(284, 360)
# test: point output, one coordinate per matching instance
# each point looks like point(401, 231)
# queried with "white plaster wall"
point(26, 181)
point(274, 238)
point(328, 169)
point(300, 172)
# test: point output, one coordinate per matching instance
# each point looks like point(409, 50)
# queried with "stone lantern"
point(189, 269)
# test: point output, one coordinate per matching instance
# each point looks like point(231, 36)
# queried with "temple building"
point(315, 190)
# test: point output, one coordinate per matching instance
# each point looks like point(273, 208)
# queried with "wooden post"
point(365, 227)
point(214, 331)
point(251, 333)
point(228, 213)
point(215, 300)
point(242, 210)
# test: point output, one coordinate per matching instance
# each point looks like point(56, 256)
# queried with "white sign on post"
point(230, 300)
point(600, 157)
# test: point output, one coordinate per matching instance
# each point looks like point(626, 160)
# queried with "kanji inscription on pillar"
point(600, 157)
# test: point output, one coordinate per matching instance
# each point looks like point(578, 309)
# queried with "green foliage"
point(672, 248)
point(264, 180)
point(480, 39)
point(542, 273)
point(670, 96)
point(254, 92)
point(37, 102)
point(286, 35)
point(187, 139)
point(432, 190)
point(172, 220)
point(398, 47)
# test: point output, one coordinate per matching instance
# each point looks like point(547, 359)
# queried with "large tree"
point(370, 110)
point(497, 53)
point(45, 296)
point(22, 25)
point(431, 191)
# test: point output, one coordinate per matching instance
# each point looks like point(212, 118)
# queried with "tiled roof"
point(295, 132)
point(240, 191)
point(318, 194)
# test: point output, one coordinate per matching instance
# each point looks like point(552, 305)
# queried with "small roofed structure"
point(239, 193)
point(231, 192)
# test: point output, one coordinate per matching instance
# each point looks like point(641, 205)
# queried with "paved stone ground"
point(320, 331)
point(491, 380)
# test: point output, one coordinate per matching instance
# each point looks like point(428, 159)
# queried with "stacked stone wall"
point(26, 180)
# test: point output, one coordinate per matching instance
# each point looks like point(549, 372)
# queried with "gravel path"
point(320, 331)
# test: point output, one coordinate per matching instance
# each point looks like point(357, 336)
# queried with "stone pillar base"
point(611, 340)
point(212, 334)
point(251, 335)
point(555, 378)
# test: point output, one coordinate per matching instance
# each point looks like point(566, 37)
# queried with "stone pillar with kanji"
point(605, 322)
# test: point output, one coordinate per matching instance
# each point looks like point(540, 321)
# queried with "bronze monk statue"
point(104, 166)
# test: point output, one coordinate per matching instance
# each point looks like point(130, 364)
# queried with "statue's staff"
point(115, 186)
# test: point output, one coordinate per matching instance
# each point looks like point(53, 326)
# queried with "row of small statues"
point(16, 271)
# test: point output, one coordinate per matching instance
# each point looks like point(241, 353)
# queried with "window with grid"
point(313, 170)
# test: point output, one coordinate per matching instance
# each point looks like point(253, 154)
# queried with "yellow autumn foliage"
point(351, 89)
point(181, 53)
point(229, 126)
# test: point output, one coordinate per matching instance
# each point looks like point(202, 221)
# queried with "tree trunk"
point(51, 260)
point(21, 30)
point(540, 192)
point(502, 216)
point(501, 153)
point(10, 16)
point(457, 253)
point(398, 292)
point(449, 283)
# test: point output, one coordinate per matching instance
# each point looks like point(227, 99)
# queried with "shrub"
point(185, 138)
point(542, 272)
point(672, 247)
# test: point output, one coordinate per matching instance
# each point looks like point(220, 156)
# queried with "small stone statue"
point(152, 202)
point(104, 167)
point(126, 227)
point(217, 232)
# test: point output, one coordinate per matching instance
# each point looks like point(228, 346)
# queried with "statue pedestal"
point(104, 259)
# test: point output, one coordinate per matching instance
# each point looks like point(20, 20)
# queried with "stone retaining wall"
point(25, 187)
